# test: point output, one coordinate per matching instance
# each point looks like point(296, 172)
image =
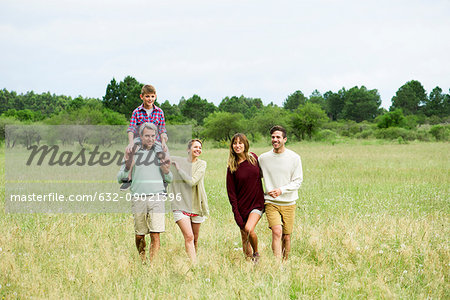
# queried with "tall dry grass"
point(372, 222)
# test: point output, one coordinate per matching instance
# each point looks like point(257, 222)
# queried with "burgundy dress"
point(245, 190)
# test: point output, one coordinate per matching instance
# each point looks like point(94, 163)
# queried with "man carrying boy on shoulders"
point(283, 175)
point(147, 188)
point(147, 112)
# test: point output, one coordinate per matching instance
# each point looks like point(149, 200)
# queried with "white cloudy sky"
point(264, 49)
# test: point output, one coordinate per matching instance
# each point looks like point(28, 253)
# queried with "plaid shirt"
point(140, 116)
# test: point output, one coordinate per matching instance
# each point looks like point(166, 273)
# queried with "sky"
point(259, 49)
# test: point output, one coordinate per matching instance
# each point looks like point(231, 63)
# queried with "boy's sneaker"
point(126, 185)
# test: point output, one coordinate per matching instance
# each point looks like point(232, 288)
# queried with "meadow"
point(372, 221)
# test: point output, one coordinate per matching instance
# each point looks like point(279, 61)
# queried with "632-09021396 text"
point(102, 197)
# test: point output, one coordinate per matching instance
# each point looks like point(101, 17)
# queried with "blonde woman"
point(189, 205)
point(245, 192)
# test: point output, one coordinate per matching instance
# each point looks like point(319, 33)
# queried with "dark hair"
point(278, 128)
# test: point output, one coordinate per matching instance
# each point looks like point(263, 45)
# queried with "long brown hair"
point(233, 157)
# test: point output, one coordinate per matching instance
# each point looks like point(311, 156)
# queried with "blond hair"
point(193, 141)
point(233, 158)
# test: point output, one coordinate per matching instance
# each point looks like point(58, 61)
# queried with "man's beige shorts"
point(281, 215)
point(148, 217)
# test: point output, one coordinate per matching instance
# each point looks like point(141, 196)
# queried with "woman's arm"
point(231, 189)
point(197, 174)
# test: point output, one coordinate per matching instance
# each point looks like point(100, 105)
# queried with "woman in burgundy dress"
point(245, 192)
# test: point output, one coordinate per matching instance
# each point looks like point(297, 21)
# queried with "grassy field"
point(372, 222)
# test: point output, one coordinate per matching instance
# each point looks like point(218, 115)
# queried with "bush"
point(393, 133)
point(223, 144)
point(365, 134)
point(440, 132)
point(4, 121)
point(391, 119)
point(325, 135)
point(349, 128)
point(423, 134)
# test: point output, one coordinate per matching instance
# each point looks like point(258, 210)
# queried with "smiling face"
point(196, 150)
point(278, 141)
point(148, 138)
point(148, 100)
point(238, 146)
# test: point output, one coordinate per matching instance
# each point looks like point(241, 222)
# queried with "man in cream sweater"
point(282, 172)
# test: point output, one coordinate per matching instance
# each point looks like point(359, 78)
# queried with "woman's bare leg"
point(186, 229)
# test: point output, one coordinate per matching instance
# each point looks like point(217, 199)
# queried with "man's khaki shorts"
point(281, 215)
point(148, 217)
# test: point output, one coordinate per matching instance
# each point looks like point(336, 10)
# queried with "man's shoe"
point(126, 185)
point(143, 258)
point(255, 258)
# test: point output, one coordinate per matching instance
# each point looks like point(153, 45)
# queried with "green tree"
point(223, 125)
point(233, 105)
point(268, 117)
point(334, 104)
point(44, 104)
point(294, 100)
point(361, 104)
point(196, 108)
point(316, 97)
point(6, 100)
point(409, 97)
point(172, 113)
point(123, 97)
point(394, 118)
point(246, 106)
point(87, 112)
point(24, 115)
point(307, 120)
point(437, 104)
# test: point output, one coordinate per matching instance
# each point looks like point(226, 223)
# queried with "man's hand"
point(165, 166)
point(176, 165)
point(275, 193)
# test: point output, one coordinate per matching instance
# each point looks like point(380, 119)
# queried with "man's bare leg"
point(154, 245)
point(140, 245)
point(277, 232)
point(286, 245)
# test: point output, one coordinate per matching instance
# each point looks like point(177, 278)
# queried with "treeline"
point(355, 112)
